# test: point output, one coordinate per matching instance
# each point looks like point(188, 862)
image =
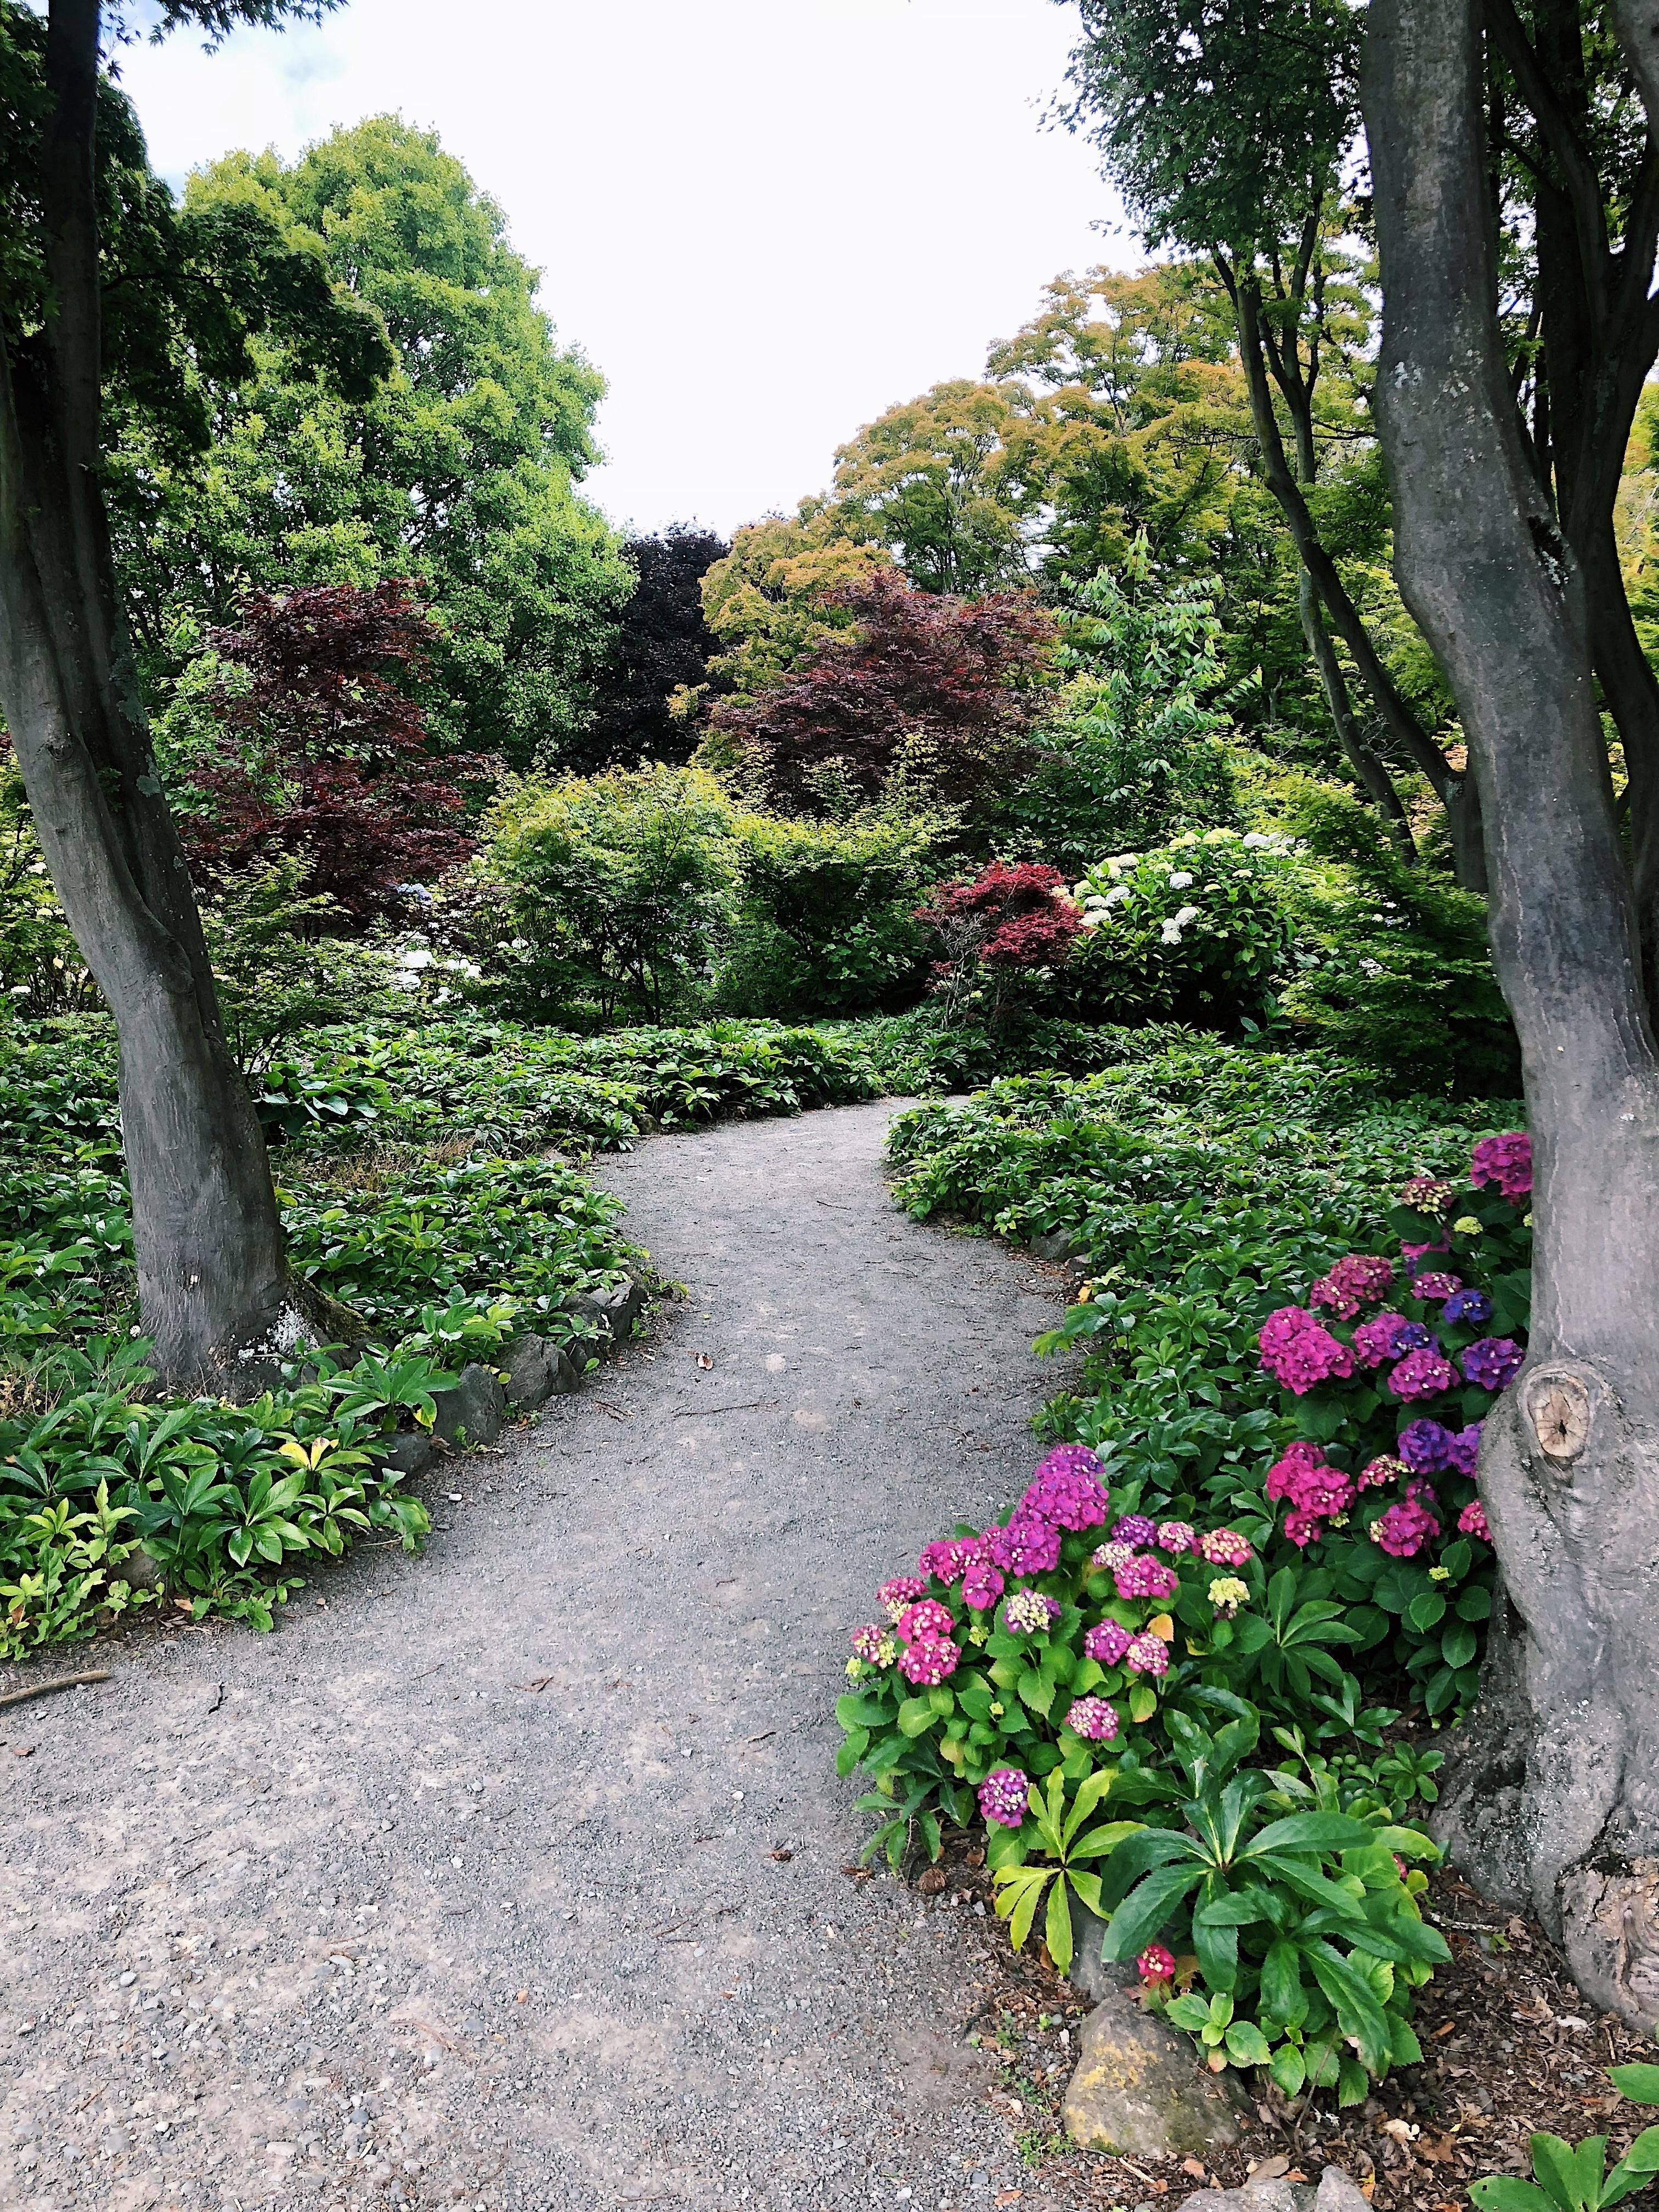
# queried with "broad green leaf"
point(1059, 1928)
point(1282, 1995)
point(1640, 2083)
point(1556, 2165)
point(1310, 1832)
point(916, 1716)
point(1288, 2070)
point(1501, 2192)
point(1141, 1915)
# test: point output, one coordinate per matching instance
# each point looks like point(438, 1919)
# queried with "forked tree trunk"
point(1553, 1801)
point(215, 1290)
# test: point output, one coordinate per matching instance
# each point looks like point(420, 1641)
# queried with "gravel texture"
point(513, 1876)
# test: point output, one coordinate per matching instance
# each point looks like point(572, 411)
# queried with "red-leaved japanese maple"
point(324, 752)
point(956, 678)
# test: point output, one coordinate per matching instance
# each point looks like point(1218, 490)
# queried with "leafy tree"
point(1552, 1803)
point(942, 690)
point(1226, 124)
point(103, 281)
point(322, 754)
point(662, 645)
point(1131, 748)
point(460, 468)
point(777, 595)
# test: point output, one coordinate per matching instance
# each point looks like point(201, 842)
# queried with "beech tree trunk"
point(216, 1293)
point(1553, 1798)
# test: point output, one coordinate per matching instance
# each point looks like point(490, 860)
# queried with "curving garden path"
point(512, 1875)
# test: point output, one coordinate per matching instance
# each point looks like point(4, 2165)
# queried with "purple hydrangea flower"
point(927, 1617)
point(1092, 1718)
point(981, 1586)
point(1425, 1447)
point(1378, 1338)
point(1107, 1642)
point(1423, 1374)
point(1506, 1161)
point(1352, 1283)
point(1492, 1361)
point(1133, 1528)
point(1464, 1451)
point(1003, 1797)
point(1028, 1545)
point(1067, 1489)
point(950, 1558)
point(1404, 1529)
point(1466, 1309)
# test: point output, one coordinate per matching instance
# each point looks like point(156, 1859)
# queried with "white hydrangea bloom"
point(1179, 878)
point(1171, 933)
point(1116, 895)
point(1187, 914)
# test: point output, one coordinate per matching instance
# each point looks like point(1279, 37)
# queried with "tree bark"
point(1373, 777)
point(1553, 1801)
point(216, 1294)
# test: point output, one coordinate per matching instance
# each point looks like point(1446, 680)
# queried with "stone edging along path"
point(512, 1874)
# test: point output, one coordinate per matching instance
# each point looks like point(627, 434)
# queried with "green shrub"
point(828, 923)
point(622, 888)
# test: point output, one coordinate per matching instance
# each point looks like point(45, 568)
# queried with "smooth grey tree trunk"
point(216, 1292)
point(1553, 1801)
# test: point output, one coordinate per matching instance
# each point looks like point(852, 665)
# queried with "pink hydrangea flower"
point(1404, 1529)
point(1067, 1489)
point(1356, 1281)
point(1155, 1965)
point(1436, 1284)
point(1300, 1353)
point(1147, 1655)
point(1107, 1642)
point(1092, 1718)
point(1425, 1194)
point(1146, 1576)
point(950, 1558)
point(1224, 1547)
point(1506, 1161)
point(1003, 1796)
point(1423, 1374)
point(873, 1644)
point(1111, 1555)
point(929, 1660)
point(1472, 1521)
point(1176, 1536)
point(981, 1586)
point(1412, 1253)
point(1302, 1529)
point(1378, 1472)
point(927, 1617)
point(1310, 1482)
point(902, 1590)
point(1028, 1545)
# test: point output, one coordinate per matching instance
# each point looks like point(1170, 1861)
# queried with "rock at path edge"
point(472, 1410)
point(536, 1370)
point(1337, 2192)
point(1138, 2089)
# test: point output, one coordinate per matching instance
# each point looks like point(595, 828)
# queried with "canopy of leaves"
point(460, 468)
point(1222, 120)
point(663, 645)
point(777, 594)
point(939, 689)
point(321, 753)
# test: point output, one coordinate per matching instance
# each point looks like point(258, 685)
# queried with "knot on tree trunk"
point(1552, 1794)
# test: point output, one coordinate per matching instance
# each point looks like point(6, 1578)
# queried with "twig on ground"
point(57, 1682)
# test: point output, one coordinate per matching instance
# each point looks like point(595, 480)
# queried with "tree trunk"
point(216, 1293)
point(1553, 1801)
point(1373, 777)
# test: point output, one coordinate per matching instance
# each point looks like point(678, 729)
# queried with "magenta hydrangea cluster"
point(1146, 1576)
point(1107, 1641)
point(1405, 1527)
point(902, 1590)
point(1472, 1521)
point(1095, 1719)
point(1147, 1655)
point(1133, 1529)
point(1423, 1373)
point(1300, 1353)
point(927, 1617)
point(1224, 1547)
point(1435, 1284)
point(1387, 1336)
point(1353, 1283)
point(1004, 1795)
point(1176, 1536)
point(1505, 1161)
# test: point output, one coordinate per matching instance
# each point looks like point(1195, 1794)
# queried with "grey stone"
point(1138, 2089)
point(611, 1314)
point(1054, 1243)
point(473, 1410)
point(142, 1569)
point(408, 1454)
point(536, 1370)
point(1336, 2192)
point(1093, 1976)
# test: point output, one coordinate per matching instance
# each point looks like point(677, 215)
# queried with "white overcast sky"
point(764, 220)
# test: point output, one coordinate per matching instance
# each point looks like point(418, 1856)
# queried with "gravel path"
point(513, 1875)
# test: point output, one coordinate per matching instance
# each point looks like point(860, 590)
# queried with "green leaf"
point(1282, 1994)
point(1501, 2192)
point(1059, 1926)
point(1189, 2012)
point(1556, 2165)
point(1457, 1645)
point(1425, 1611)
point(1143, 1913)
point(1310, 1832)
point(915, 1716)
point(1288, 2070)
point(1246, 2045)
point(1143, 1702)
point(1640, 2083)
